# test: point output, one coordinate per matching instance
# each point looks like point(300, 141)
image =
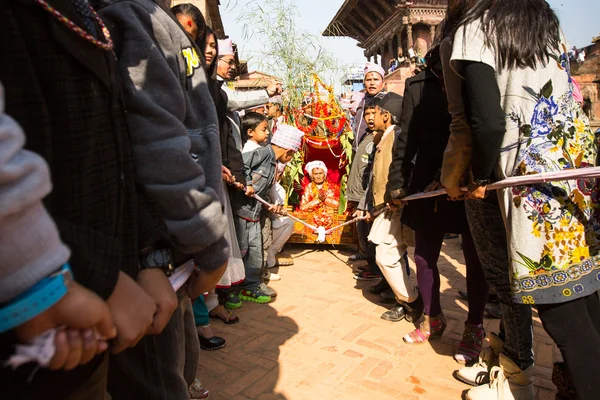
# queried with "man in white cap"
point(238, 100)
point(374, 84)
point(228, 104)
point(275, 113)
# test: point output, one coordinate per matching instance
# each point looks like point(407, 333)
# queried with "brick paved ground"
point(323, 339)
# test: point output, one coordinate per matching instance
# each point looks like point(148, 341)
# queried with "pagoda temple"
point(387, 29)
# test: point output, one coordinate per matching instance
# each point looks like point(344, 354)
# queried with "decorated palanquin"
point(328, 138)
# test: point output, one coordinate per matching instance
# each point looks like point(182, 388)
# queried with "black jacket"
point(231, 156)
point(418, 156)
point(64, 92)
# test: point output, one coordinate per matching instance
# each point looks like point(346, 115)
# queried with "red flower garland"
point(336, 129)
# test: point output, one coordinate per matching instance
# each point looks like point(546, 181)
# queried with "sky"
point(579, 19)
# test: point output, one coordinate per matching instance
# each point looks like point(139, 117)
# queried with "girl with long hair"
point(538, 244)
point(425, 130)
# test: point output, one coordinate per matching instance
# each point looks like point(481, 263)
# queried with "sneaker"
point(271, 276)
point(232, 301)
point(507, 382)
point(479, 373)
point(366, 276)
point(255, 296)
point(470, 345)
point(267, 290)
point(359, 256)
point(197, 392)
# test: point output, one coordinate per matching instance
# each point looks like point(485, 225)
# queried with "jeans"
point(575, 328)
point(159, 367)
point(428, 245)
point(489, 236)
point(250, 240)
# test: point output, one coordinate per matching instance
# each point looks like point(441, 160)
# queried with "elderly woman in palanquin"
point(320, 195)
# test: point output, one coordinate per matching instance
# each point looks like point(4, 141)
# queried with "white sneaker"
point(271, 276)
point(507, 382)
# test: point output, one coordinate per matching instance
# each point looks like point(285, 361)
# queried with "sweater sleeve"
point(30, 246)
point(239, 100)
point(155, 101)
point(487, 119)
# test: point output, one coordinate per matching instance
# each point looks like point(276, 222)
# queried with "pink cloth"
point(577, 91)
point(355, 101)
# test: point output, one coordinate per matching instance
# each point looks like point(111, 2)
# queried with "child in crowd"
point(255, 126)
point(387, 230)
point(355, 192)
point(259, 168)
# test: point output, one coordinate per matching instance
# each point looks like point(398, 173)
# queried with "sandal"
point(429, 329)
point(283, 261)
point(218, 312)
point(197, 392)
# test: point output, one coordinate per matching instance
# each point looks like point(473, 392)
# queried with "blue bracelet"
point(36, 300)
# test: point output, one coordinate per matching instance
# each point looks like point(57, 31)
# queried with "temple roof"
point(360, 19)
point(215, 13)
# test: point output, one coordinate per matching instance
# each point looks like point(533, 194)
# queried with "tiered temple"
point(386, 29)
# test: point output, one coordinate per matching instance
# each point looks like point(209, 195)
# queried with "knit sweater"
point(30, 247)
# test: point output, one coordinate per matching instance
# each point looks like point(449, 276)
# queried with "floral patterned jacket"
point(553, 228)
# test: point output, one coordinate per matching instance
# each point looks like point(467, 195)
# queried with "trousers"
point(281, 233)
point(575, 328)
point(489, 236)
point(159, 367)
point(250, 239)
point(386, 234)
point(428, 245)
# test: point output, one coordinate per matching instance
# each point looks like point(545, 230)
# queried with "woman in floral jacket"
point(524, 119)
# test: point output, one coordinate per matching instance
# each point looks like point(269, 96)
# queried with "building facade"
point(587, 75)
point(388, 29)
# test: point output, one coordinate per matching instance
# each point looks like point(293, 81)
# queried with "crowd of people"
point(113, 115)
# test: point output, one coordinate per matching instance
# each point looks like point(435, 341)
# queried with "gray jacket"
point(259, 167)
point(173, 125)
point(30, 246)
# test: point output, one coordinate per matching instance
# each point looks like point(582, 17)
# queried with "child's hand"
point(249, 191)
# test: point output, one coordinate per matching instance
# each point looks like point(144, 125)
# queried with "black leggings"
point(575, 328)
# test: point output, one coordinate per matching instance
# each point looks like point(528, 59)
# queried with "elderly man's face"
point(373, 83)
point(318, 176)
point(226, 67)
